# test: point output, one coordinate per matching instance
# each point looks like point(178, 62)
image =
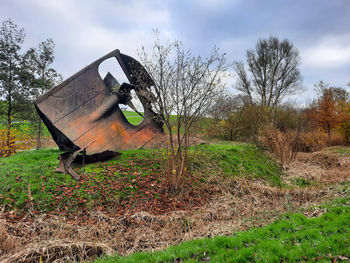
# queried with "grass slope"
point(293, 238)
point(133, 117)
point(134, 120)
point(34, 169)
point(133, 180)
point(237, 159)
point(128, 113)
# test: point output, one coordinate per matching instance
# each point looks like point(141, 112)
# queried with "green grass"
point(128, 113)
point(51, 190)
point(134, 120)
point(302, 182)
point(133, 117)
point(109, 183)
point(342, 150)
point(292, 238)
point(34, 168)
point(238, 159)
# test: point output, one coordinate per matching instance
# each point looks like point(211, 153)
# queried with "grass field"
point(293, 238)
point(133, 117)
point(118, 180)
point(129, 113)
point(134, 120)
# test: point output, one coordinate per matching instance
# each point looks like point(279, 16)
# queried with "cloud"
point(215, 5)
point(330, 53)
point(85, 30)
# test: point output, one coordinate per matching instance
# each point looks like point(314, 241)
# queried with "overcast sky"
point(84, 30)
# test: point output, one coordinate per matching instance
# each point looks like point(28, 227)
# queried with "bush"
point(281, 144)
point(12, 140)
point(217, 130)
point(285, 144)
point(312, 141)
point(344, 130)
point(243, 124)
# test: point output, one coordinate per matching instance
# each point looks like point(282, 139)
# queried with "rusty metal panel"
point(84, 109)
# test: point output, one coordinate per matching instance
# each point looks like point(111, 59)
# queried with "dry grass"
point(59, 251)
point(242, 205)
point(281, 144)
point(6, 242)
point(322, 167)
point(239, 204)
point(312, 141)
point(285, 145)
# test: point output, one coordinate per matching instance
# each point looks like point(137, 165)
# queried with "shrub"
point(285, 144)
point(312, 141)
point(281, 144)
point(344, 130)
point(317, 140)
point(12, 140)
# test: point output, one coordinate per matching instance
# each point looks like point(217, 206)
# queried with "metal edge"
point(65, 82)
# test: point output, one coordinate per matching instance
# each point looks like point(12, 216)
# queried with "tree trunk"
point(329, 134)
point(9, 124)
point(38, 142)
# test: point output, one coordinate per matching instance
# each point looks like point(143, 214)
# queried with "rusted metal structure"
point(83, 114)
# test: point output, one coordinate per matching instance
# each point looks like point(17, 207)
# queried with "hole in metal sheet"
point(112, 66)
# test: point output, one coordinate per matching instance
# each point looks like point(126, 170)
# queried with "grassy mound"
point(134, 181)
point(294, 238)
point(237, 159)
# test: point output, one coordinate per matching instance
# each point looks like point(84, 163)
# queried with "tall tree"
point(271, 72)
point(43, 77)
point(11, 39)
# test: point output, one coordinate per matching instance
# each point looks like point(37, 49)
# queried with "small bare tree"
point(185, 87)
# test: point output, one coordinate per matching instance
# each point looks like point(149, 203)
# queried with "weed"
point(345, 151)
point(300, 181)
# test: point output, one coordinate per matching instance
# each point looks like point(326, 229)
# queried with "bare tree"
point(235, 117)
point(272, 72)
point(339, 94)
point(185, 87)
point(226, 117)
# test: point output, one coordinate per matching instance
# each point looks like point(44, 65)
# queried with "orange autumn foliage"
point(330, 111)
